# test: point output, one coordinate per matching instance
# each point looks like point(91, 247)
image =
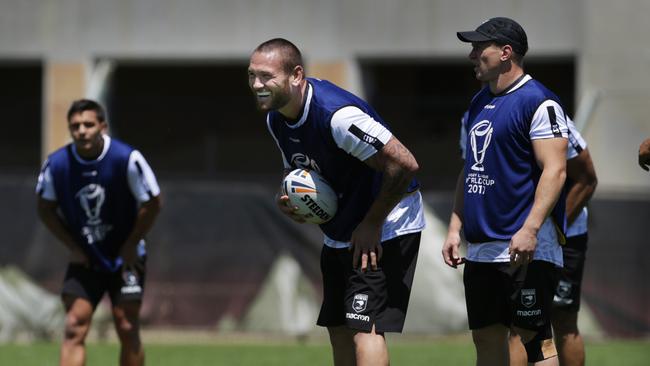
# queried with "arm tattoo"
point(398, 163)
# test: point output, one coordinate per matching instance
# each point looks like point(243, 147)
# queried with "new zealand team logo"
point(479, 138)
point(130, 285)
point(528, 297)
point(303, 161)
point(563, 289)
point(563, 293)
point(359, 302)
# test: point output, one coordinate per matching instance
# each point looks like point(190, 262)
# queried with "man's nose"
point(81, 130)
point(257, 83)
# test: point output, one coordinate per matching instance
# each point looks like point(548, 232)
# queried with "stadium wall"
point(603, 35)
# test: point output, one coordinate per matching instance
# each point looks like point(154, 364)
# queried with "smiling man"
point(371, 244)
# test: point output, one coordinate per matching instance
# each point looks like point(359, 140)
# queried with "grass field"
point(414, 353)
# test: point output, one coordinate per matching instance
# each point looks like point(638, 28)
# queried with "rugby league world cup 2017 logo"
point(91, 198)
point(479, 138)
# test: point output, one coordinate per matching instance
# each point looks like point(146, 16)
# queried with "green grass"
point(436, 352)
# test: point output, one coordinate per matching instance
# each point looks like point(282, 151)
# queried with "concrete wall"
point(607, 37)
point(74, 30)
point(614, 59)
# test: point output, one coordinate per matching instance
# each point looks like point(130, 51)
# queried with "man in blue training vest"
point(371, 243)
point(509, 198)
point(581, 183)
point(99, 197)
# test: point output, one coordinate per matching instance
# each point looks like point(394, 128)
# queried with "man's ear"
point(297, 75)
point(506, 53)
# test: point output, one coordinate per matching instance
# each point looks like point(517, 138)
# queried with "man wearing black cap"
point(509, 198)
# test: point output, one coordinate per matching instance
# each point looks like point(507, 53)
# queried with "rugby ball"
point(314, 197)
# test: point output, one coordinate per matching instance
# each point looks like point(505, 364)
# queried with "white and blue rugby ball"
point(314, 197)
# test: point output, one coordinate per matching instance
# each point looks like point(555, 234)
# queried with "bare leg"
point(126, 316)
point(518, 355)
point(342, 340)
point(78, 315)
point(526, 336)
point(371, 348)
point(491, 345)
point(571, 348)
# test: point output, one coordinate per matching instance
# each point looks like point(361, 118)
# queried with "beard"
point(276, 101)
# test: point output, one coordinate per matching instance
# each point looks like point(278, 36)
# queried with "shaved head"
point(289, 53)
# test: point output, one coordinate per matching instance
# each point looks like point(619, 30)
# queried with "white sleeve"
point(358, 133)
point(284, 158)
point(576, 142)
point(548, 122)
point(141, 179)
point(463, 134)
point(45, 185)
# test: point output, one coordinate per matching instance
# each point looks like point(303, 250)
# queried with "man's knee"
point(127, 322)
point(76, 327)
point(128, 334)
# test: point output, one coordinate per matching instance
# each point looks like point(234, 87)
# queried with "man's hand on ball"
point(282, 200)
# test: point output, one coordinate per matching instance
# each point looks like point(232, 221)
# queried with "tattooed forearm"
point(398, 166)
point(395, 151)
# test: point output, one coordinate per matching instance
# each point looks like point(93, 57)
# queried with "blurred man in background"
point(581, 184)
point(322, 127)
point(99, 197)
point(515, 160)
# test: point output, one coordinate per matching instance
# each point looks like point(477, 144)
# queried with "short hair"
point(291, 56)
point(517, 57)
point(81, 105)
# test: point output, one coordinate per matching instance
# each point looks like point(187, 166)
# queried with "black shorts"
point(497, 293)
point(567, 293)
point(123, 285)
point(361, 300)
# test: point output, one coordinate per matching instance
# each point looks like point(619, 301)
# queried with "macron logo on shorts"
point(354, 316)
point(131, 289)
point(529, 312)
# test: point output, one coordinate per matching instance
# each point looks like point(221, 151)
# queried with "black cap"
point(500, 30)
